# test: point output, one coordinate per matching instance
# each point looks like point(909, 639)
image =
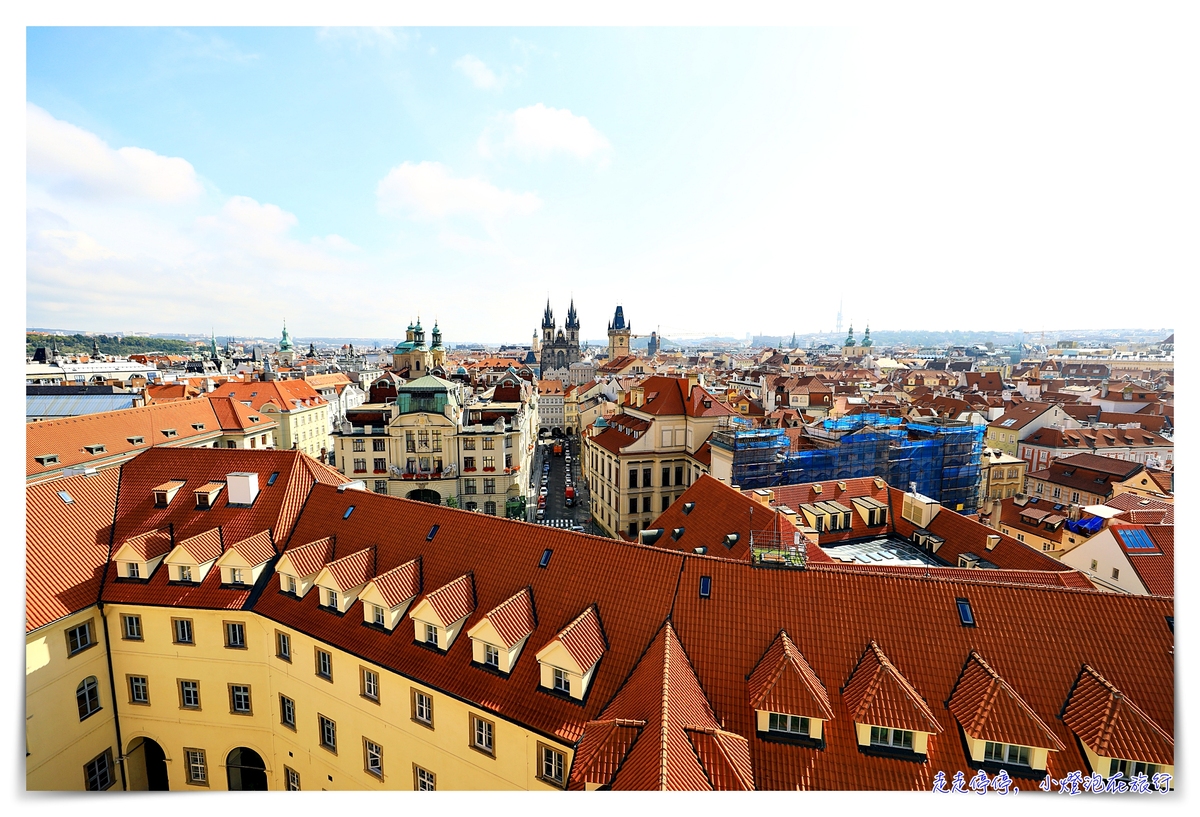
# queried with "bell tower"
point(618, 335)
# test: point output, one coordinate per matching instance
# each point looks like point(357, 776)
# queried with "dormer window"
point(290, 581)
point(184, 573)
point(895, 738)
point(386, 597)
point(889, 714)
point(431, 635)
point(331, 598)
point(47, 459)
point(787, 724)
point(133, 571)
point(164, 493)
point(99, 448)
point(569, 661)
point(1006, 753)
point(206, 495)
point(136, 440)
point(198, 426)
point(491, 656)
point(562, 681)
point(169, 432)
point(439, 617)
point(235, 576)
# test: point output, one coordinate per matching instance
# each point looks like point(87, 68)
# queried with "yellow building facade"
point(189, 711)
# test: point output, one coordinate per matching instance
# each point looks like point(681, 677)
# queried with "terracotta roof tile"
point(309, 558)
point(514, 618)
point(991, 710)
point(784, 682)
point(584, 638)
point(455, 600)
point(352, 570)
point(602, 750)
point(877, 693)
point(401, 583)
point(1112, 725)
point(150, 544)
point(725, 757)
point(203, 547)
point(66, 544)
point(255, 549)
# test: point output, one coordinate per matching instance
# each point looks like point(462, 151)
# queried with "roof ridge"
point(669, 632)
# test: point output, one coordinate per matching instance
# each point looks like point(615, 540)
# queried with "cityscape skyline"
point(678, 172)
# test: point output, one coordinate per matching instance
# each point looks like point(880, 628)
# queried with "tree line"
point(109, 344)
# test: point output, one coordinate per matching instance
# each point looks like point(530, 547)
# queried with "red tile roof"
point(66, 544)
point(150, 544)
point(309, 558)
point(602, 750)
point(878, 694)
point(401, 583)
point(612, 440)
point(989, 709)
point(352, 570)
point(583, 638)
point(255, 549)
point(1156, 568)
point(286, 395)
point(514, 619)
point(1112, 725)
point(725, 758)
point(454, 600)
point(114, 430)
point(232, 415)
point(784, 682)
point(203, 547)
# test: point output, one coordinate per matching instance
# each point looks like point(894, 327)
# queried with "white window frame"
point(187, 687)
point(139, 689)
point(426, 780)
point(553, 765)
point(783, 724)
point(133, 570)
point(328, 733)
point(185, 573)
point(374, 757)
point(287, 711)
point(562, 681)
point(377, 615)
point(131, 625)
point(423, 708)
point(239, 698)
point(1009, 753)
point(483, 735)
point(293, 779)
point(370, 682)
point(197, 766)
point(235, 635)
point(431, 634)
point(79, 638)
point(893, 738)
point(491, 656)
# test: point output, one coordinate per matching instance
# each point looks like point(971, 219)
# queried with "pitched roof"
point(309, 558)
point(784, 682)
point(118, 432)
point(255, 549)
point(286, 395)
point(514, 619)
point(66, 544)
point(991, 710)
point(583, 638)
point(354, 569)
point(150, 544)
point(1154, 566)
point(401, 583)
point(233, 415)
point(876, 693)
point(1112, 725)
point(203, 547)
point(602, 749)
point(454, 600)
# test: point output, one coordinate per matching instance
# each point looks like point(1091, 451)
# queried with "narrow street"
point(555, 511)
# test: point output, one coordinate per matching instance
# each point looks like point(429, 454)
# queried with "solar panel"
point(1136, 540)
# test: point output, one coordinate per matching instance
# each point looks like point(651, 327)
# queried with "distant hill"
point(109, 344)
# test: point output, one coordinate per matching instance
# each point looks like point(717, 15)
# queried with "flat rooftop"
point(881, 550)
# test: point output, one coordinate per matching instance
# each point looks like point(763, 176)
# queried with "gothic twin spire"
point(548, 317)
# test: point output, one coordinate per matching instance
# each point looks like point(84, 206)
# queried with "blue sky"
point(714, 180)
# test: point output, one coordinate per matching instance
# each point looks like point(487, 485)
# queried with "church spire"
point(572, 318)
point(548, 317)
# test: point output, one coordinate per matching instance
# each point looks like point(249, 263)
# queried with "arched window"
point(87, 696)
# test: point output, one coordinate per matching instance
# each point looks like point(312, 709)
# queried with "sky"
point(712, 181)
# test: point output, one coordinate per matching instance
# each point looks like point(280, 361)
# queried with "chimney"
point(243, 487)
point(639, 396)
point(693, 380)
point(764, 496)
point(992, 541)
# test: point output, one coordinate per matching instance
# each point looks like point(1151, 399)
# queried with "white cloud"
point(537, 131)
point(378, 37)
point(477, 71)
point(426, 191)
point(75, 162)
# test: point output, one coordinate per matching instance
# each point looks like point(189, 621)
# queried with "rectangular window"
point(131, 627)
point(1116, 574)
point(283, 646)
point(293, 778)
point(562, 681)
point(423, 779)
point(381, 486)
point(666, 476)
point(489, 444)
point(896, 738)
point(239, 699)
point(491, 656)
point(678, 474)
point(645, 504)
point(482, 735)
point(134, 571)
point(468, 444)
point(633, 505)
point(291, 585)
point(185, 573)
point(437, 440)
point(287, 712)
point(469, 485)
point(139, 689)
point(360, 465)
point(1093, 564)
point(1057, 492)
point(324, 664)
point(410, 441)
point(373, 758)
point(380, 465)
point(359, 445)
point(183, 630)
point(79, 638)
point(1006, 753)
point(552, 765)
point(489, 485)
point(196, 767)
point(189, 694)
point(97, 772)
point(787, 724)
point(646, 477)
point(377, 615)
point(370, 685)
point(633, 475)
point(235, 635)
point(378, 445)
point(431, 635)
point(1075, 496)
point(666, 502)
point(422, 708)
point(331, 599)
point(489, 462)
point(328, 733)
